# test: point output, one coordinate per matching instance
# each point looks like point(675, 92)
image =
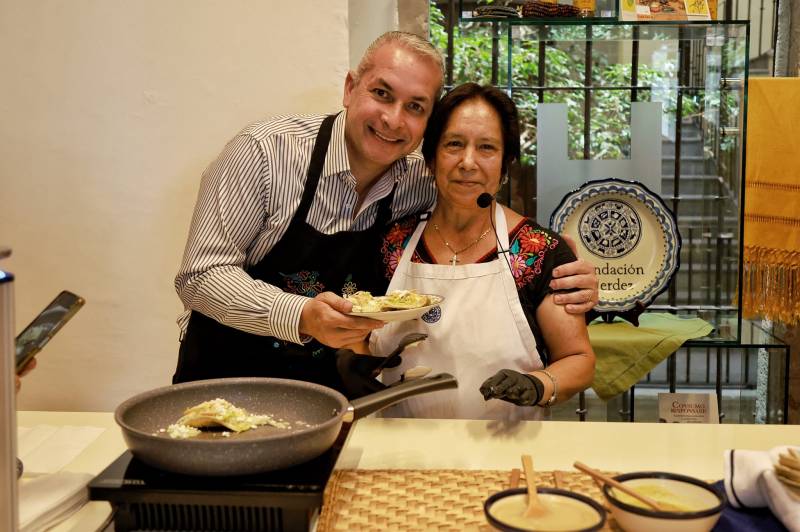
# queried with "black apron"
point(304, 262)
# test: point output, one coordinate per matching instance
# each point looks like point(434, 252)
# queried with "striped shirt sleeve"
point(228, 217)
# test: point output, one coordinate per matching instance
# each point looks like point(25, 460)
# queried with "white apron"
point(481, 329)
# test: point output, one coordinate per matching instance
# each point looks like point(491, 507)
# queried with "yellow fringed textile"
point(771, 259)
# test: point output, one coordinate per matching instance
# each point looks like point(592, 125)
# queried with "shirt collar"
point(338, 163)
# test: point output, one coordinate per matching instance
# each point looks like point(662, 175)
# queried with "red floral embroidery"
point(394, 241)
point(532, 241)
point(393, 259)
point(518, 266)
point(528, 248)
point(396, 235)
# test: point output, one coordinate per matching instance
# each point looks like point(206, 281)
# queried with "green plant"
point(565, 64)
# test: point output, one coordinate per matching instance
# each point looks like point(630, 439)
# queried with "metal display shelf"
point(600, 69)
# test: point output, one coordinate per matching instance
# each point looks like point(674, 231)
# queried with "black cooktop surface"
point(127, 473)
point(146, 498)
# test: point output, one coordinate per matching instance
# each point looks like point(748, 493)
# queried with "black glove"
point(356, 372)
point(512, 386)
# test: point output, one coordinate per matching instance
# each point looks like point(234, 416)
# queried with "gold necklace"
point(454, 258)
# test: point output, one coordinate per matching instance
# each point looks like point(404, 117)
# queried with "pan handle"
point(364, 406)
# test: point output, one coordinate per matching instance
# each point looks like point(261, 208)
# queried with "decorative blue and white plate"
point(628, 233)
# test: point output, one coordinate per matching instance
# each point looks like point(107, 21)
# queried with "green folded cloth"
point(626, 353)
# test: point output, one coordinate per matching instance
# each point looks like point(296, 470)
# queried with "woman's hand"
point(27, 369)
point(325, 319)
point(579, 277)
point(518, 388)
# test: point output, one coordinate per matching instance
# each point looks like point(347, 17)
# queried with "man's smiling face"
point(388, 108)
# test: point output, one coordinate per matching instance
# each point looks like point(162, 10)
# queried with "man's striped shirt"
point(247, 198)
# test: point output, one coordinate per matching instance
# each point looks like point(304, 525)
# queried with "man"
point(289, 215)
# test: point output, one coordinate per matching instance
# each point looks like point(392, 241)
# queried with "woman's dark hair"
point(499, 100)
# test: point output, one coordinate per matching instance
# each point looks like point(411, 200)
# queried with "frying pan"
point(316, 414)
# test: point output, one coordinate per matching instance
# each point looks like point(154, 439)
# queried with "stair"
point(708, 221)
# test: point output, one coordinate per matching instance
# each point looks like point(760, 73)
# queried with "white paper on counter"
point(46, 449)
point(47, 500)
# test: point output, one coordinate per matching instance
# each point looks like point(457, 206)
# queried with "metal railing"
point(763, 18)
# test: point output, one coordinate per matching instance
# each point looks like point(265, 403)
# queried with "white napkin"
point(750, 482)
point(47, 500)
point(47, 449)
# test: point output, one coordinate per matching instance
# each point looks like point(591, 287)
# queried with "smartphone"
point(34, 337)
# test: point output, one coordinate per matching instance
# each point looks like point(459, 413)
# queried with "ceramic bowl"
point(631, 518)
point(590, 507)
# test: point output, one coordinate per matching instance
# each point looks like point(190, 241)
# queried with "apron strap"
point(408, 252)
point(315, 168)
point(503, 251)
point(384, 215)
point(510, 285)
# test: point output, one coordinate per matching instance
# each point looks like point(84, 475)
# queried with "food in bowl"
point(689, 504)
point(668, 499)
point(566, 511)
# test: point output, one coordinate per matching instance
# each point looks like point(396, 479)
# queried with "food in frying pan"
point(178, 431)
point(219, 413)
point(394, 300)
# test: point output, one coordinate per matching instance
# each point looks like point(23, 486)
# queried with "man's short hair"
point(409, 41)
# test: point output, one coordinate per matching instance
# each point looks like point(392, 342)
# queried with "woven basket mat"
point(439, 499)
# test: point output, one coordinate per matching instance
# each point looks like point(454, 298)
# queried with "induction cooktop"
point(145, 498)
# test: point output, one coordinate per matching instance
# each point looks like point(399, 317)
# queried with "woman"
point(495, 307)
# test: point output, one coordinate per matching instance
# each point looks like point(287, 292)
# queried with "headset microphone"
point(484, 200)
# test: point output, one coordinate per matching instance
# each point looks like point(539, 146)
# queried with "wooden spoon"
point(597, 475)
point(535, 506)
point(558, 479)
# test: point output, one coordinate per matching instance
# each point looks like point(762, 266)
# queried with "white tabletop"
point(692, 449)
point(104, 450)
point(378, 443)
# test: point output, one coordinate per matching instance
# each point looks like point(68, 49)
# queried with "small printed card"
point(657, 10)
point(688, 408)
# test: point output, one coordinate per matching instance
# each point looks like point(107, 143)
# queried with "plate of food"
point(630, 236)
point(397, 305)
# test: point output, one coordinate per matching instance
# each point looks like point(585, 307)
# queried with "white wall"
point(109, 112)
point(367, 20)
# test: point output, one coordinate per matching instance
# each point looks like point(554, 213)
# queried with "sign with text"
point(657, 10)
point(628, 234)
point(688, 408)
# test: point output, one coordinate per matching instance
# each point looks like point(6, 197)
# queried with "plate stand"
point(631, 315)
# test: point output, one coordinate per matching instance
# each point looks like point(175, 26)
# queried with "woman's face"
point(469, 157)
